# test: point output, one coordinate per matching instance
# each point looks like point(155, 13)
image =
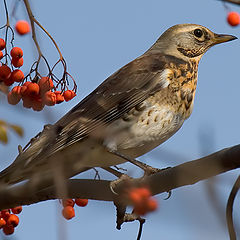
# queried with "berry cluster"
point(68, 211)
point(9, 220)
point(8, 76)
point(142, 200)
point(233, 18)
point(35, 91)
point(36, 95)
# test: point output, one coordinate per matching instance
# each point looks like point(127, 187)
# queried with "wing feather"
point(117, 95)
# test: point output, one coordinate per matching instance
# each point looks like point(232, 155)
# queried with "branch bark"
point(184, 174)
point(232, 1)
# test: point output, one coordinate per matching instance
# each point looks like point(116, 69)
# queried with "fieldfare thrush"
point(133, 111)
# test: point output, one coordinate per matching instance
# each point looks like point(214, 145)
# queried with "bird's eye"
point(198, 32)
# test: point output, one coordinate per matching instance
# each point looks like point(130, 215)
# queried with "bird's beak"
point(221, 38)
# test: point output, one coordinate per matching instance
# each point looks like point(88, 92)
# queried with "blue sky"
point(96, 39)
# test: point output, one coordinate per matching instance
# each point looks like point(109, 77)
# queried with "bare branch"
point(164, 181)
point(232, 1)
point(229, 209)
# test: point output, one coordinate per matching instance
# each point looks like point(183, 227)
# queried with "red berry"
point(140, 210)
point(68, 95)
point(9, 81)
point(59, 97)
point(22, 27)
point(233, 18)
point(17, 75)
point(37, 103)
point(5, 214)
point(49, 98)
point(68, 212)
point(144, 192)
point(24, 89)
point(8, 229)
point(33, 89)
point(17, 62)
point(68, 202)
point(5, 72)
point(135, 197)
point(27, 101)
point(2, 44)
point(139, 195)
point(1, 54)
point(2, 222)
point(17, 210)
point(45, 84)
point(13, 220)
point(16, 52)
point(81, 202)
point(17, 90)
point(13, 99)
point(152, 205)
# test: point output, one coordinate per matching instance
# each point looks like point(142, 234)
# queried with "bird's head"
point(188, 41)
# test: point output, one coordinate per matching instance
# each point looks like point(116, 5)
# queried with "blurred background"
point(96, 39)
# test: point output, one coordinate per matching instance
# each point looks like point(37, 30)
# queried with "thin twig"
point(229, 209)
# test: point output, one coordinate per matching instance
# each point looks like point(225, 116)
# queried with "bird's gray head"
point(188, 41)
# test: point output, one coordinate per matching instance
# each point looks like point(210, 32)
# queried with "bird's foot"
point(148, 170)
point(123, 179)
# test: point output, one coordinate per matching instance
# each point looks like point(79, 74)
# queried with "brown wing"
point(119, 93)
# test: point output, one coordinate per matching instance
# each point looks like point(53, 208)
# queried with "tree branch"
point(232, 1)
point(184, 174)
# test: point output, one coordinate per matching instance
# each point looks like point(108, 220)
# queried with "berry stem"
point(34, 20)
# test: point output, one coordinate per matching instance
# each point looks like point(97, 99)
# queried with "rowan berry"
point(9, 81)
point(144, 192)
point(2, 44)
point(27, 101)
point(49, 98)
point(32, 89)
point(68, 95)
point(13, 99)
point(1, 54)
point(140, 210)
point(17, 62)
point(134, 197)
point(22, 27)
point(17, 75)
point(16, 52)
point(233, 18)
point(68, 212)
point(5, 72)
point(152, 205)
point(37, 104)
point(17, 91)
point(5, 214)
point(13, 220)
point(59, 97)
point(138, 195)
point(17, 210)
point(2, 222)
point(24, 89)
point(8, 229)
point(81, 202)
point(68, 202)
point(45, 84)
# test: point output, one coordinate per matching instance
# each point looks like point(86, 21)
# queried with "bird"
point(133, 111)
